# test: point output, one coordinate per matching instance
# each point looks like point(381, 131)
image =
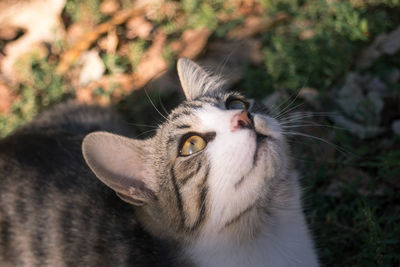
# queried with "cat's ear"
point(195, 81)
point(118, 162)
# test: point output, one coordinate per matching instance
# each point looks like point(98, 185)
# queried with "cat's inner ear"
point(195, 81)
point(118, 162)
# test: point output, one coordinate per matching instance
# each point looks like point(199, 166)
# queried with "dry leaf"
point(114, 87)
point(85, 95)
point(169, 9)
point(74, 53)
point(109, 7)
point(39, 18)
point(6, 99)
point(124, 49)
point(191, 44)
point(249, 7)
point(76, 32)
point(110, 42)
point(92, 67)
point(152, 63)
point(255, 25)
point(119, 85)
point(138, 27)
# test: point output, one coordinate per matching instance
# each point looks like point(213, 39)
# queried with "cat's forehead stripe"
point(183, 126)
point(179, 113)
point(192, 105)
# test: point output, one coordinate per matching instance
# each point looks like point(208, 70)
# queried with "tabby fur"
point(234, 203)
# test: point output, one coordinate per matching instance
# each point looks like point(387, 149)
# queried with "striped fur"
point(53, 210)
point(235, 203)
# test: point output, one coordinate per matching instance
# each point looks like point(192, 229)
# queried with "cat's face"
point(211, 170)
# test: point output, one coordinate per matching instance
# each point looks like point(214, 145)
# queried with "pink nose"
point(241, 120)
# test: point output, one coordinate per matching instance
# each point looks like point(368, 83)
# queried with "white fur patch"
point(231, 155)
point(284, 242)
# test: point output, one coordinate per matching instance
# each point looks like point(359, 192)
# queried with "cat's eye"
point(236, 104)
point(192, 144)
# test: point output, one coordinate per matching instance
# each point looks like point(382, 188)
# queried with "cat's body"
point(53, 210)
point(213, 187)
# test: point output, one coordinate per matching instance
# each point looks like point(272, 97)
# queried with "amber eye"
point(236, 104)
point(192, 145)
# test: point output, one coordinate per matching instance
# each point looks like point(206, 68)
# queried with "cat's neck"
point(286, 242)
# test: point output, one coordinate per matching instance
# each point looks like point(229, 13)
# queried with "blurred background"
point(330, 68)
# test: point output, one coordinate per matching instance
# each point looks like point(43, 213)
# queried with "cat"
point(214, 186)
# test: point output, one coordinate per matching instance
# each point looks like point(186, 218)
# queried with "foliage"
point(323, 35)
point(40, 88)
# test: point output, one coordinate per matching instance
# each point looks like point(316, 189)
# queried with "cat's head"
point(215, 167)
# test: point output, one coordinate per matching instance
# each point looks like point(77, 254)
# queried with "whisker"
point(219, 70)
point(299, 117)
point(288, 106)
point(312, 125)
point(285, 116)
point(299, 113)
point(310, 160)
point(316, 112)
point(145, 132)
point(276, 108)
point(162, 105)
point(291, 121)
point(338, 148)
point(154, 105)
point(297, 94)
point(287, 111)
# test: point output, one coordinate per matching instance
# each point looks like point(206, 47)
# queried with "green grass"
point(317, 47)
